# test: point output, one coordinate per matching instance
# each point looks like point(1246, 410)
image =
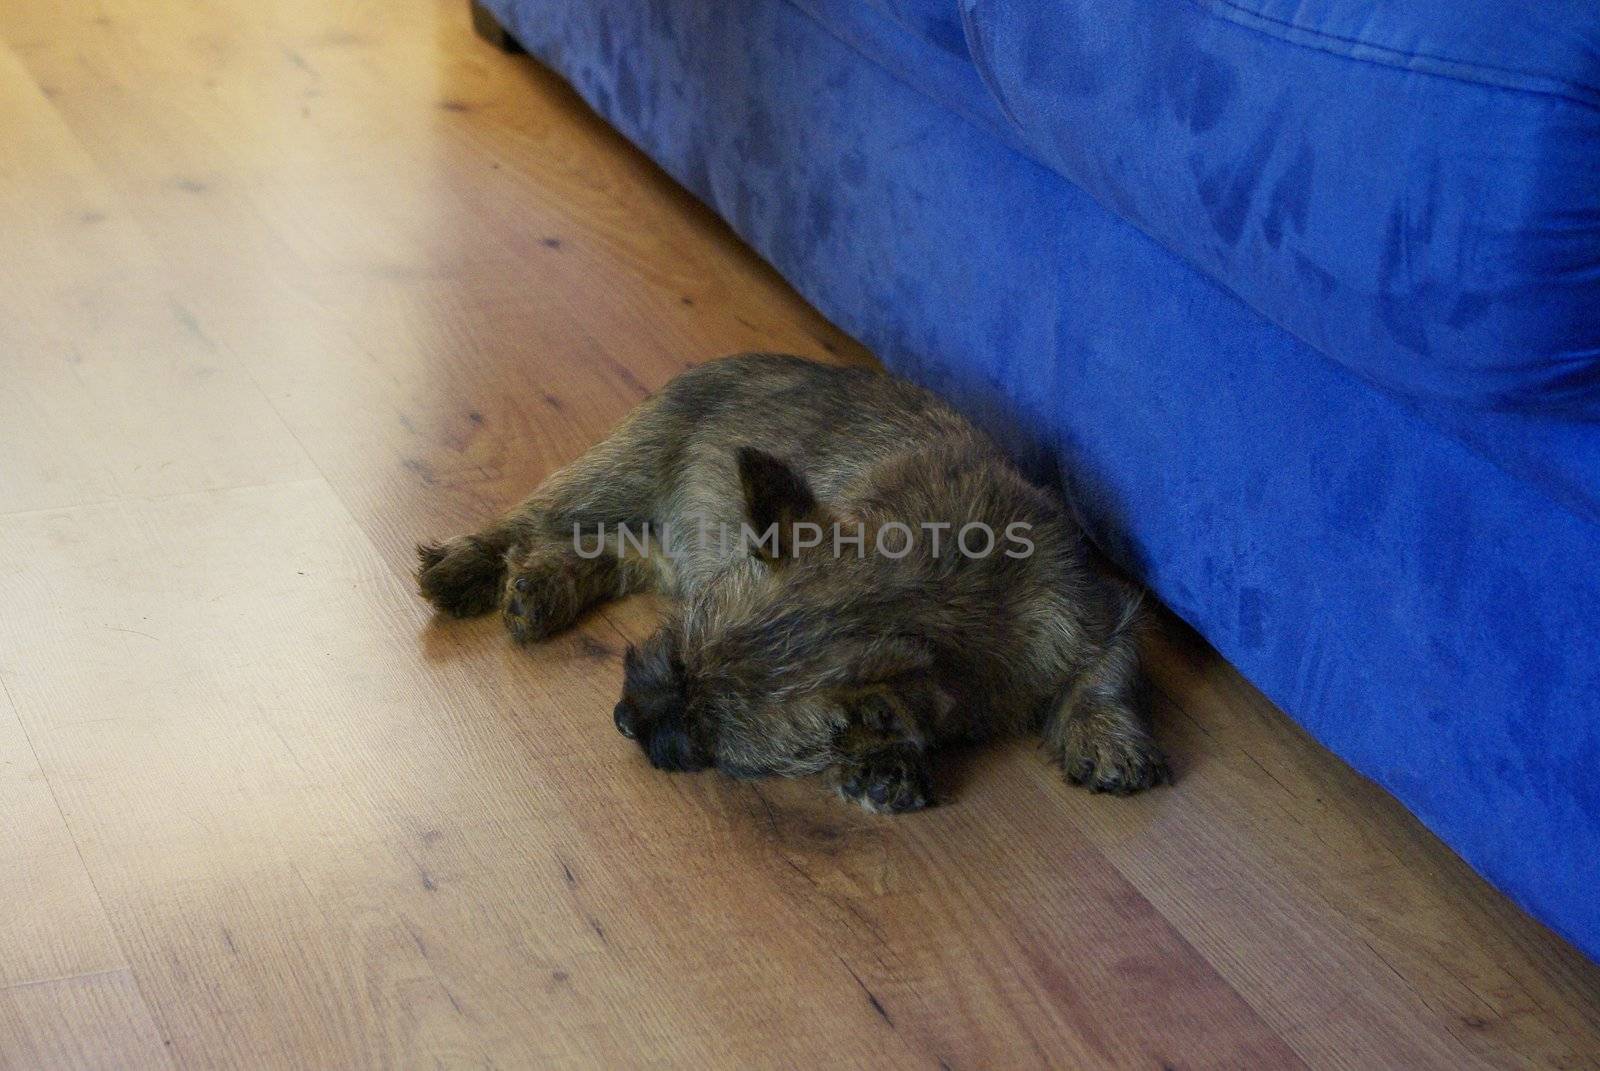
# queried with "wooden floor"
point(285, 286)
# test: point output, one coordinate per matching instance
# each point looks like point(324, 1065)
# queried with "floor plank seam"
point(163, 496)
point(33, 983)
point(94, 886)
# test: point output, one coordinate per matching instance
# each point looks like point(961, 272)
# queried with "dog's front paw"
point(1120, 762)
point(462, 577)
point(892, 780)
point(541, 599)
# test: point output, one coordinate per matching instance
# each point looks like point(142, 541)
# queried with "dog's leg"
point(882, 755)
point(549, 585)
point(1099, 731)
point(529, 562)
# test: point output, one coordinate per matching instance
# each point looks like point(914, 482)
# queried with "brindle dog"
point(788, 654)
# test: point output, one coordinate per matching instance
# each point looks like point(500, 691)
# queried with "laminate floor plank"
point(87, 1021)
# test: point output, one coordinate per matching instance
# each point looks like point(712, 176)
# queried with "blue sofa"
point(1298, 300)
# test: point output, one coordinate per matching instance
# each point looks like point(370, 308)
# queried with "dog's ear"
point(777, 499)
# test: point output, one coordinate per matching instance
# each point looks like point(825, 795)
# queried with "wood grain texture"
point(297, 284)
point(111, 388)
point(87, 1021)
point(54, 925)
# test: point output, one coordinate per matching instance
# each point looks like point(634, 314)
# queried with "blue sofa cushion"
point(1411, 187)
point(1552, 46)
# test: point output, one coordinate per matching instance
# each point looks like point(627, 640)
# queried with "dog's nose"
point(626, 718)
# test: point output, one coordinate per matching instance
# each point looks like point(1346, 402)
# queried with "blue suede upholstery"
point(1414, 578)
point(1430, 224)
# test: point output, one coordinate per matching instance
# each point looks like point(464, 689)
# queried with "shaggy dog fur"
point(783, 657)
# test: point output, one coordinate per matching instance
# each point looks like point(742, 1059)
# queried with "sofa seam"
point(979, 56)
point(977, 126)
point(1415, 62)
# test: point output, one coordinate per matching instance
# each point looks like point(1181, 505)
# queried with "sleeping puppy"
point(856, 577)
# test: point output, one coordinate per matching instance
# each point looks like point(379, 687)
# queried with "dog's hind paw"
point(1120, 763)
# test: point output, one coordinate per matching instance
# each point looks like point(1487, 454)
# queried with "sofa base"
point(486, 24)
